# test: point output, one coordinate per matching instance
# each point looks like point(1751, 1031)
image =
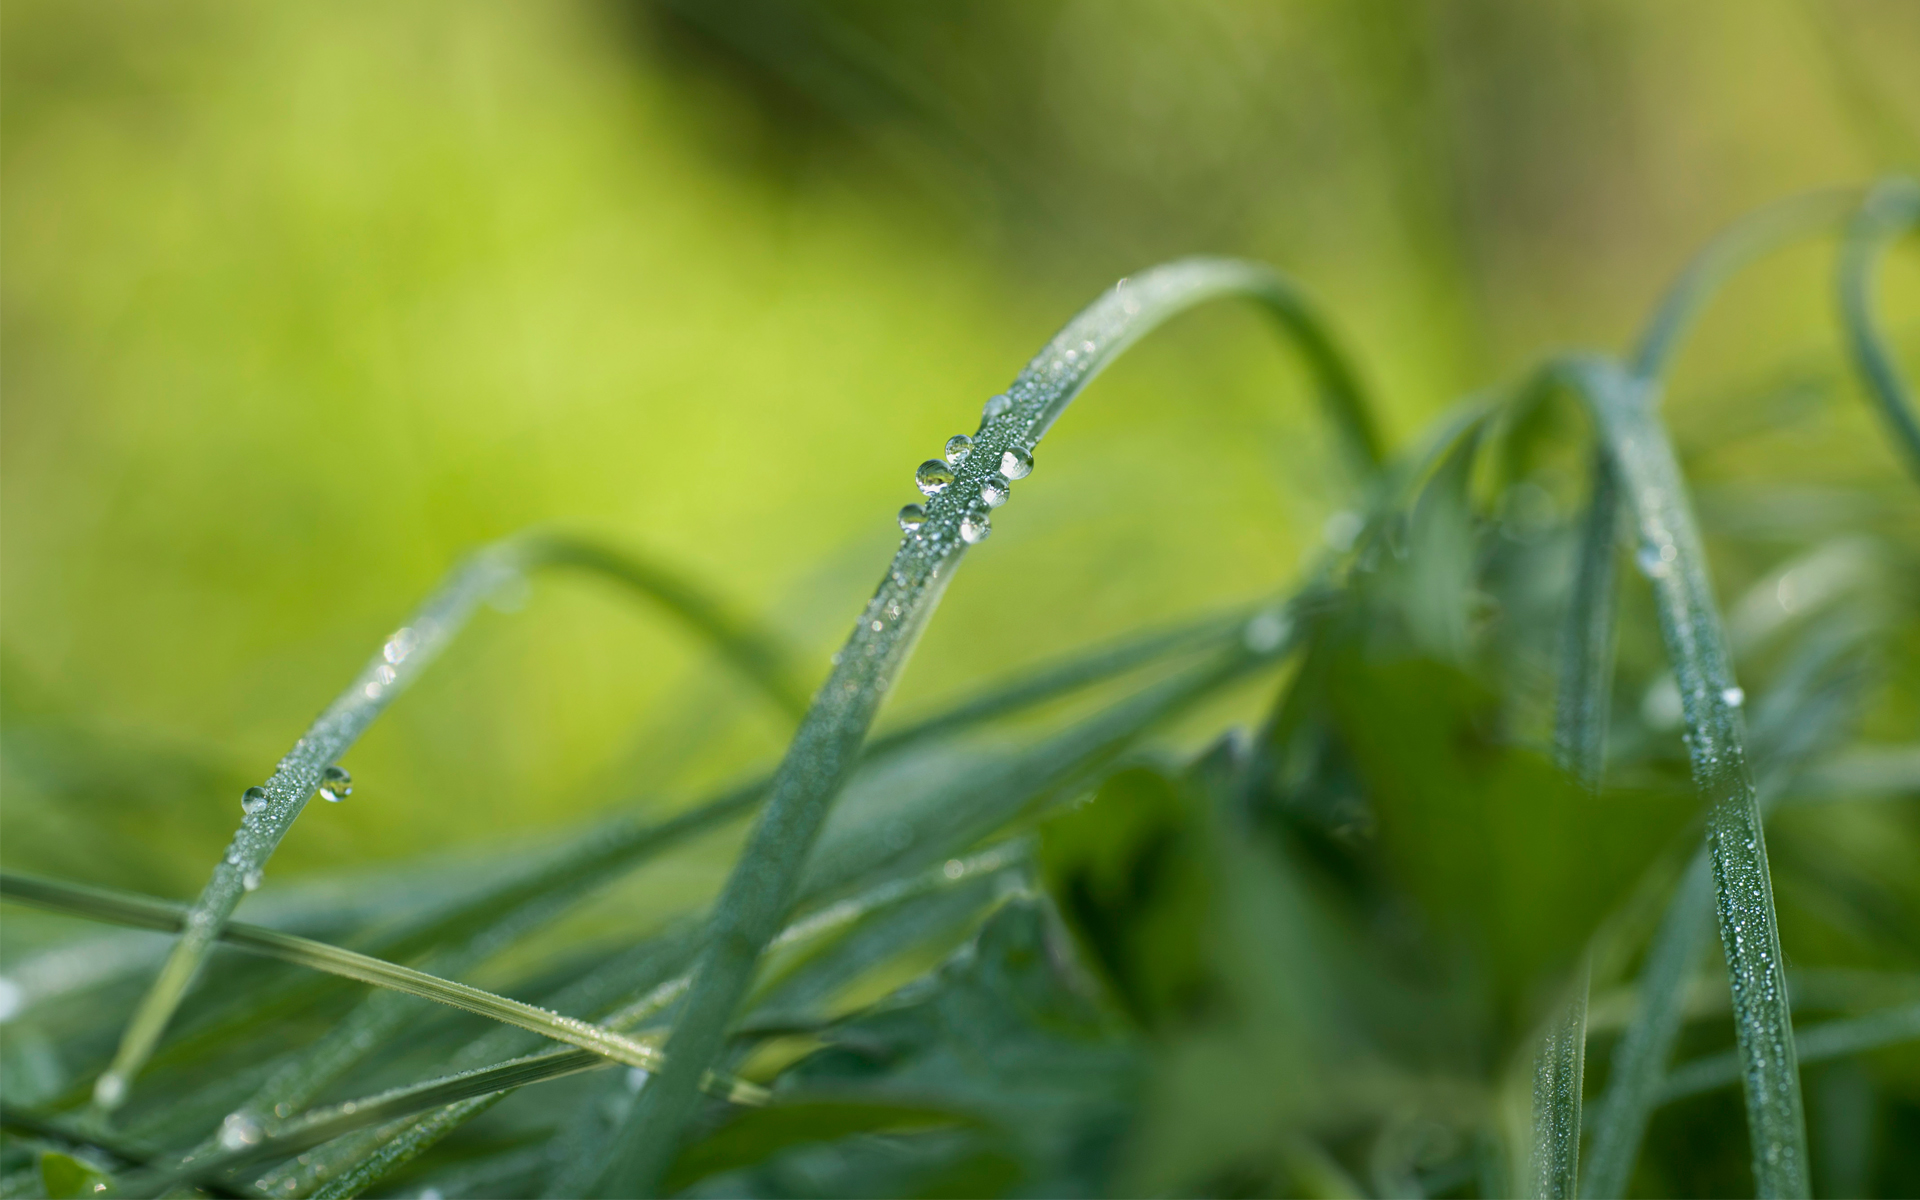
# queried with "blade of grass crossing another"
point(147, 913)
point(1892, 209)
point(269, 811)
point(827, 745)
point(1672, 557)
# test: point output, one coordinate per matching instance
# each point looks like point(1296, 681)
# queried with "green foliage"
point(1064, 936)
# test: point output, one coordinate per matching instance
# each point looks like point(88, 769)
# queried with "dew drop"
point(255, 798)
point(335, 785)
point(877, 626)
point(239, 1131)
point(954, 868)
point(933, 477)
point(994, 406)
point(400, 645)
point(1016, 463)
point(958, 447)
point(1265, 632)
point(110, 1089)
point(252, 879)
point(1655, 559)
point(974, 527)
point(1733, 696)
point(912, 517)
point(995, 489)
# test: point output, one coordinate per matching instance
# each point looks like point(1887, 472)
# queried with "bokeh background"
point(303, 302)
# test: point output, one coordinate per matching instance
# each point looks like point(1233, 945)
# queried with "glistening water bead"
point(974, 527)
point(933, 477)
point(253, 799)
point(335, 785)
point(1655, 559)
point(912, 517)
point(994, 407)
point(995, 489)
point(958, 447)
point(1016, 463)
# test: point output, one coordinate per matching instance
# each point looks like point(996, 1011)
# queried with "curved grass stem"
point(824, 751)
point(270, 813)
point(1891, 210)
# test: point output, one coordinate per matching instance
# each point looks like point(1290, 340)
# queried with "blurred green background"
point(301, 302)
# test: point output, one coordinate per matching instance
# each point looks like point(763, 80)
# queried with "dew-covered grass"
point(1398, 880)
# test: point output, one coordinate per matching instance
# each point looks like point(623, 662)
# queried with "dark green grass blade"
point(400, 660)
point(1815, 1043)
point(1804, 713)
point(147, 913)
point(827, 746)
point(1891, 210)
point(1673, 558)
point(1585, 689)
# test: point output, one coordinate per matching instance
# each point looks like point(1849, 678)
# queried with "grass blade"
point(826, 747)
point(1587, 652)
point(1798, 718)
point(1815, 1043)
point(1891, 209)
point(147, 913)
point(1672, 557)
point(402, 657)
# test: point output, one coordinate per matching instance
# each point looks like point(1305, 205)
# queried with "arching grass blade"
point(1814, 1043)
point(269, 811)
point(827, 745)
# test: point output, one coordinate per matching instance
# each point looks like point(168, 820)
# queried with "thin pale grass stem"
point(825, 749)
point(143, 912)
point(1813, 1043)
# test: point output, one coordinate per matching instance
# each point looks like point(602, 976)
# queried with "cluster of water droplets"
point(936, 475)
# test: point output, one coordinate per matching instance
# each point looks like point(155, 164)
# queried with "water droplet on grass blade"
point(335, 785)
point(974, 527)
point(1733, 696)
point(995, 489)
point(1265, 632)
point(239, 1131)
point(912, 517)
point(255, 798)
point(994, 406)
point(958, 447)
point(1016, 463)
point(1655, 559)
point(399, 645)
point(252, 879)
point(933, 477)
point(110, 1089)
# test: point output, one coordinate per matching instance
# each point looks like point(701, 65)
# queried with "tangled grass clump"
point(1368, 946)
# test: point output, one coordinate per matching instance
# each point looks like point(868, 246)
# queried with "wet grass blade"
point(1892, 209)
point(1795, 722)
point(1585, 689)
point(147, 913)
point(827, 745)
point(269, 811)
point(1672, 557)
